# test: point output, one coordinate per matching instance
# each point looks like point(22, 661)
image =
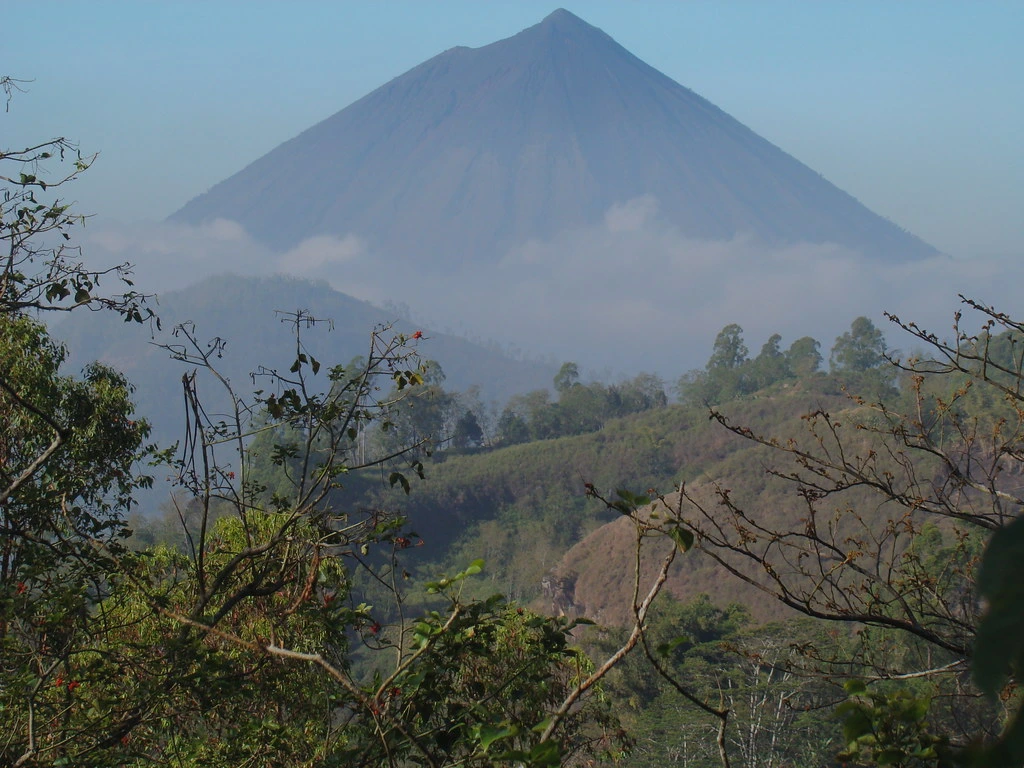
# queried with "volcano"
point(478, 150)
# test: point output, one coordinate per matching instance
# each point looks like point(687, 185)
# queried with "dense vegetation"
point(289, 615)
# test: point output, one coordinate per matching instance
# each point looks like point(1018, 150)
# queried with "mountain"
point(243, 312)
point(481, 149)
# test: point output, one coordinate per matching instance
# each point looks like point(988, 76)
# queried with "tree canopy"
point(859, 349)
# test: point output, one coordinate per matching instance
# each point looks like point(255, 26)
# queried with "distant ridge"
point(480, 149)
point(241, 310)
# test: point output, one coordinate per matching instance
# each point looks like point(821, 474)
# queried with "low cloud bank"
point(629, 294)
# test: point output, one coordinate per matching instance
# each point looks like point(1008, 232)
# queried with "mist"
point(630, 294)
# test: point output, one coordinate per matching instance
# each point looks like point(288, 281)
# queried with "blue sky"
point(915, 108)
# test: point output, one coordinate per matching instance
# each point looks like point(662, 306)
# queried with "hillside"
point(523, 508)
point(246, 313)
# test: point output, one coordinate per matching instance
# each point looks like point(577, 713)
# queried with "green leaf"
point(488, 734)
point(56, 291)
point(542, 725)
point(856, 725)
point(682, 537)
point(890, 756)
point(623, 507)
point(999, 645)
point(855, 686)
point(547, 753)
point(666, 648)
point(399, 478)
point(274, 408)
point(1000, 639)
point(631, 499)
point(914, 711)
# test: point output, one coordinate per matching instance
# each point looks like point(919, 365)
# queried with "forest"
point(781, 560)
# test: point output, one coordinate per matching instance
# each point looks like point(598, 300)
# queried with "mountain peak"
point(562, 18)
point(561, 14)
point(563, 24)
point(480, 150)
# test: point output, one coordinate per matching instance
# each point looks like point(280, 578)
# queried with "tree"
point(537, 412)
point(729, 351)
point(468, 432)
point(512, 427)
point(567, 377)
point(484, 415)
point(803, 356)
point(862, 348)
point(68, 471)
point(238, 647)
point(426, 416)
point(892, 510)
point(67, 477)
point(775, 716)
point(726, 374)
point(36, 275)
point(771, 365)
point(641, 393)
point(582, 408)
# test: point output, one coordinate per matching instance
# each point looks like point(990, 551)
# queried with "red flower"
point(375, 627)
point(21, 587)
point(72, 685)
point(418, 335)
point(231, 475)
point(58, 682)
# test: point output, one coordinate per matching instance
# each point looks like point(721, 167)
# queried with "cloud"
point(316, 253)
point(631, 215)
point(169, 256)
point(635, 294)
point(628, 294)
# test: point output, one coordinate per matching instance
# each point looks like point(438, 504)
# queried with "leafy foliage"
point(890, 728)
point(68, 469)
point(580, 408)
point(35, 274)
point(940, 470)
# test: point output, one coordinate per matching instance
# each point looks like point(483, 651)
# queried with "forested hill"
point(251, 314)
point(510, 486)
point(779, 489)
point(513, 489)
point(523, 508)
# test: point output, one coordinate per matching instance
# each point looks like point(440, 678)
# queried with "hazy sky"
point(915, 108)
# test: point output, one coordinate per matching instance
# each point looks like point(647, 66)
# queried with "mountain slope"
point(478, 150)
point(244, 312)
point(523, 508)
